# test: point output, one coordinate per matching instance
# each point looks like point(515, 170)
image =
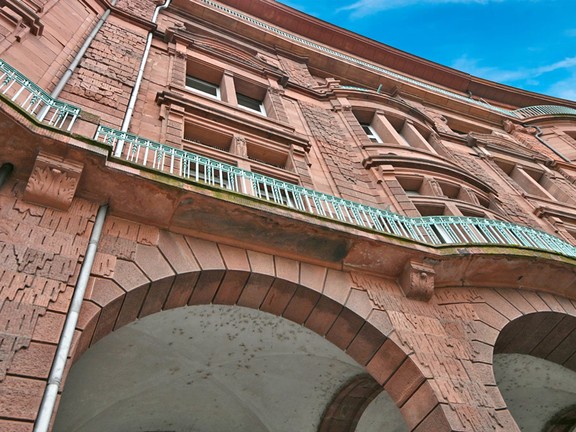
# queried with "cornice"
point(320, 31)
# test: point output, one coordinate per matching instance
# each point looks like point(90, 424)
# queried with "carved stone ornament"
point(417, 281)
point(53, 182)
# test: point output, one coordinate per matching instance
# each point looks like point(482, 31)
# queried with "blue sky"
point(530, 44)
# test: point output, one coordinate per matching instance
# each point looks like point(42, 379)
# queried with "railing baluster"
point(436, 230)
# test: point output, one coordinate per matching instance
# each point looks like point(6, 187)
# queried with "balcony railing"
point(435, 230)
point(542, 110)
point(34, 100)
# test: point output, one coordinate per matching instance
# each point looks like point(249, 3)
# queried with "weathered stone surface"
point(53, 182)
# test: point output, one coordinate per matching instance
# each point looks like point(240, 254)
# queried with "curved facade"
point(228, 214)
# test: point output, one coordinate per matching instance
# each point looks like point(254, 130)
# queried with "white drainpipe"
point(138, 83)
point(76, 61)
point(57, 372)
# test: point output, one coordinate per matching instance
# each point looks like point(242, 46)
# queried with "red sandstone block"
point(483, 333)
point(438, 421)
point(119, 247)
point(20, 398)
point(385, 362)
point(15, 426)
point(148, 235)
point(500, 303)
point(231, 287)
point(107, 319)
point(206, 253)
point(312, 276)
point(234, 258)
point(419, 406)
point(404, 382)
point(34, 361)
point(49, 327)
point(102, 291)
point(177, 252)
point(262, 263)
point(131, 306)
point(535, 301)
point(301, 305)
point(181, 290)
point(538, 326)
point(206, 287)
point(117, 227)
point(366, 343)
point(323, 316)
point(255, 290)
point(552, 302)
point(483, 373)
point(278, 297)
point(287, 269)
point(156, 297)
point(556, 337)
point(496, 397)
point(104, 265)
point(482, 352)
point(88, 311)
point(344, 329)
point(563, 352)
point(488, 315)
point(129, 276)
point(359, 302)
point(506, 421)
point(381, 321)
point(62, 303)
point(82, 339)
point(567, 305)
point(337, 285)
point(152, 262)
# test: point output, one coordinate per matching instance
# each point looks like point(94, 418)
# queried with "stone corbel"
point(417, 281)
point(53, 181)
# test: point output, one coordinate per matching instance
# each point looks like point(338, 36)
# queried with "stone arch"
point(181, 271)
point(520, 321)
point(552, 337)
point(348, 405)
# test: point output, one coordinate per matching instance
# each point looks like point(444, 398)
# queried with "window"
point(371, 133)
point(250, 103)
point(203, 86)
point(195, 134)
point(535, 181)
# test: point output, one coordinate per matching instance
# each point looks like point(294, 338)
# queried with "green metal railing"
point(34, 100)
point(541, 110)
point(436, 230)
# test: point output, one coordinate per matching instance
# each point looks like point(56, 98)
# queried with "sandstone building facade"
point(228, 215)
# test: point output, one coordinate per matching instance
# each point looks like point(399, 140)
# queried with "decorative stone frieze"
point(417, 280)
point(17, 321)
point(53, 182)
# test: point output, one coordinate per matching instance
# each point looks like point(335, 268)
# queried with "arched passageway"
point(535, 369)
point(220, 368)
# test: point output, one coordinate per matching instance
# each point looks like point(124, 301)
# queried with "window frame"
point(371, 133)
point(260, 110)
point(200, 81)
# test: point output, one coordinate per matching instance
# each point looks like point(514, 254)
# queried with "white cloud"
point(363, 8)
point(472, 67)
point(565, 89)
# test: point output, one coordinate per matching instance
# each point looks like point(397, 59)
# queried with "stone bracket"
point(53, 181)
point(417, 280)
